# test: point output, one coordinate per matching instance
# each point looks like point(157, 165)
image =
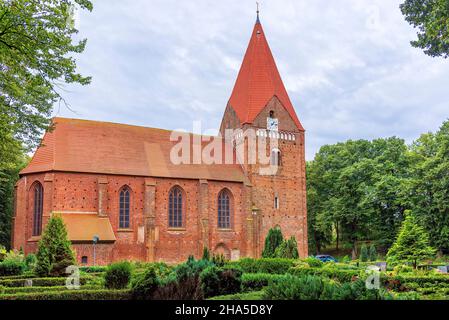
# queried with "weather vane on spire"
point(257, 5)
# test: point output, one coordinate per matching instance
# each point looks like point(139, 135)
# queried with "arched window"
point(124, 208)
point(224, 210)
point(38, 209)
point(84, 260)
point(275, 159)
point(175, 208)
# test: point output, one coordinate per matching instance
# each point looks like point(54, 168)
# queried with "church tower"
point(262, 120)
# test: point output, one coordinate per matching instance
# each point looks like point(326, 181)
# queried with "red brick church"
point(118, 182)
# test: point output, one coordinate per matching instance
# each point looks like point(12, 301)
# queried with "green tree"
point(431, 18)
point(355, 190)
point(54, 252)
point(319, 223)
point(36, 58)
point(428, 190)
point(273, 240)
point(8, 179)
point(364, 253)
point(372, 253)
point(288, 249)
point(412, 243)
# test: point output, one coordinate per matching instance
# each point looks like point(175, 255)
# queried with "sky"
point(347, 65)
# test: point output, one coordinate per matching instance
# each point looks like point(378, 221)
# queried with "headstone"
point(382, 266)
point(28, 283)
point(235, 255)
point(442, 269)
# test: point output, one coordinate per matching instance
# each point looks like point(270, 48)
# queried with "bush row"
point(39, 282)
point(70, 295)
point(13, 290)
point(407, 282)
point(345, 275)
point(266, 265)
point(309, 287)
point(257, 281)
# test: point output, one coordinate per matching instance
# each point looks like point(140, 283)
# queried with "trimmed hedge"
point(407, 282)
point(40, 282)
point(93, 269)
point(14, 290)
point(253, 295)
point(71, 295)
point(20, 276)
point(11, 268)
point(332, 273)
point(266, 265)
point(256, 281)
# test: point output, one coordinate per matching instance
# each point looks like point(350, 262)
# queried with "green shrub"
point(364, 253)
point(401, 268)
point(342, 275)
point(71, 295)
point(253, 295)
point(118, 275)
point(3, 252)
point(219, 260)
point(55, 252)
point(257, 281)
point(210, 281)
point(30, 261)
point(287, 249)
point(314, 262)
point(11, 268)
point(273, 240)
point(206, 254)
point(144, 285)
point(191, 268)
point(40, 282)
point(15, 290)
point(372, 253)
point(346, 259)
point(93, 269)
point(318, 288)
point(295, 288)
point(217, 281)
point(274, 265)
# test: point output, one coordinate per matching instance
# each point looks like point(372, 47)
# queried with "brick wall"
point(77, 192)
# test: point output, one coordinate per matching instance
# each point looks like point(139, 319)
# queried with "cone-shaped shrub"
point(273, 240)
point(55, 252)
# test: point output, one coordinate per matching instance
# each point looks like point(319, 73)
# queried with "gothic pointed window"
point(175, 208)
point(38, 209)
point(224, 210)
point(275, 159)
point(124, 208)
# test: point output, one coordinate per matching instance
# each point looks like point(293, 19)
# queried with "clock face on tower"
point(272, 124)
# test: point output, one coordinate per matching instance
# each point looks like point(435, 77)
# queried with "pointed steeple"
point(257, 20)
point(259, 81)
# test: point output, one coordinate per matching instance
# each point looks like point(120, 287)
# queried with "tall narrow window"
point(224, 210)
point(38, 209)
point(124, 208)
point(175, 208)
point(275, 159)
point(276, 202)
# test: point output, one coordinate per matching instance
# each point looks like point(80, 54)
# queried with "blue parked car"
point(325, 258)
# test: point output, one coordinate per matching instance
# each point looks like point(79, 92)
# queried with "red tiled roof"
point(110, 148)
point(84, 226)
point(258, 81)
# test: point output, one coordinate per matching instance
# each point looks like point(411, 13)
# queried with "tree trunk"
point(354, 250)
point(338, 236)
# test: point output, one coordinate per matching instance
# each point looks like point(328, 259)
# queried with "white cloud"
point(348, 65)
